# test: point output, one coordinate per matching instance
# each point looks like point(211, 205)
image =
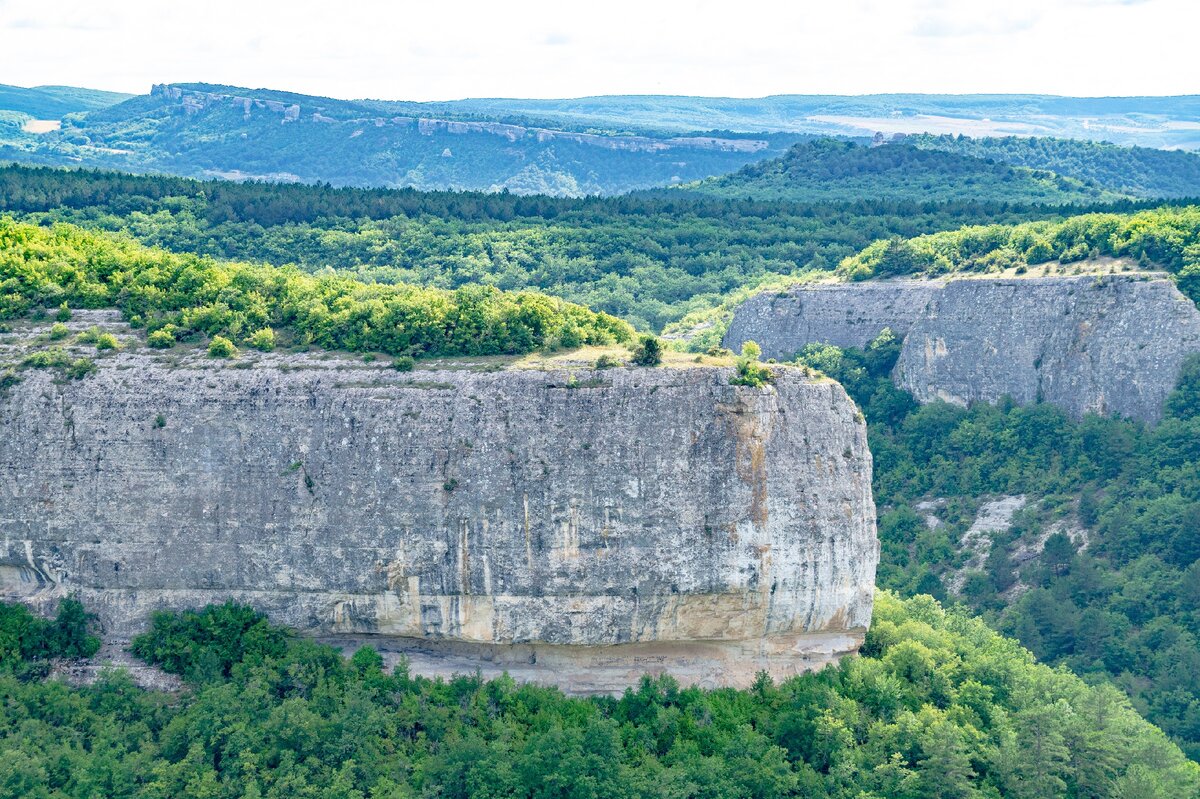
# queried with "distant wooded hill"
point(55, 102)
point(1137, 171)
point(1053, 171)
point(837, 170)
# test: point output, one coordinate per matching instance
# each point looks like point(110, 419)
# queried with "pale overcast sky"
point(559, 48)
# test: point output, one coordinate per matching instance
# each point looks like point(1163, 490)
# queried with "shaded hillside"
point(1078, 538)
point(55, 102)
point(833, 170)
point(1137, 171)
point(280, 136)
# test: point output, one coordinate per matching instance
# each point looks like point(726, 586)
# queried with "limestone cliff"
point(584, 527)
point(842, 314)
point(1110, 344)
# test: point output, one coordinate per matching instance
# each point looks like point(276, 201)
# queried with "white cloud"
point(547, 48)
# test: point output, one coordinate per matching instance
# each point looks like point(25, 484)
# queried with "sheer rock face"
point(1102, 344)
point(1110, 344)
point(842, 314)
point(581, 531)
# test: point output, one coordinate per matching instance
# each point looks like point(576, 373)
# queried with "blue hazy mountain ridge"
point(616, 144)
point(215, 131)
point(1147, 121)
point(55, 102)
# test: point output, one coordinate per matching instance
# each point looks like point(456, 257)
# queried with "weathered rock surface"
point(1103, 344)
point(842, 314)
point(582, 531)
point(1110, 344)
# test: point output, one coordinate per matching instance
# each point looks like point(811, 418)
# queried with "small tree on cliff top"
point(749, 371)
point(648, 352)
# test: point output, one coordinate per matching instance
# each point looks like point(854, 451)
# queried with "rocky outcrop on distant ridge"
point(194, 101)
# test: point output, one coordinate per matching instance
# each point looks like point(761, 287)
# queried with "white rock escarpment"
point(580, 529)
point(1109, 344)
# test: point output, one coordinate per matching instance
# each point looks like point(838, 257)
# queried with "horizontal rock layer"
point(1109, 344)
point(599, 525)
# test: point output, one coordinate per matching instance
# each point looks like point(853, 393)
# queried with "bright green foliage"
point(161, 339)
point(607, 362)
point(57, 358)
point(749, 371)
point(53, 358)
point(263, 340)
point(648, 352)
point(198, 295)
point(25, 638)
point(1168, 238)
point(404, 363)
point(1128, 607)
point(650, 259)
point(63, 314)
point(937, 706)
point(59, 331)
point(221, 347)
point(107, 341)
point(80, 368)
point(206, 644)
point(827, 170)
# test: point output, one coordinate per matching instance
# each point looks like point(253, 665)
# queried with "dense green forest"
point(182, 297)
point(650, 259)
point(937, 706)
point(838, 170)
point(1136, 171)
point(1167, 238)
point(1126, 608)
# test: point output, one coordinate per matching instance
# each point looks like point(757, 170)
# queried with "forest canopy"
point(1167, 238)
point(936, 706)
point(649, 258)
point(839, 170)
point(1125, 607)
point(188, 295)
